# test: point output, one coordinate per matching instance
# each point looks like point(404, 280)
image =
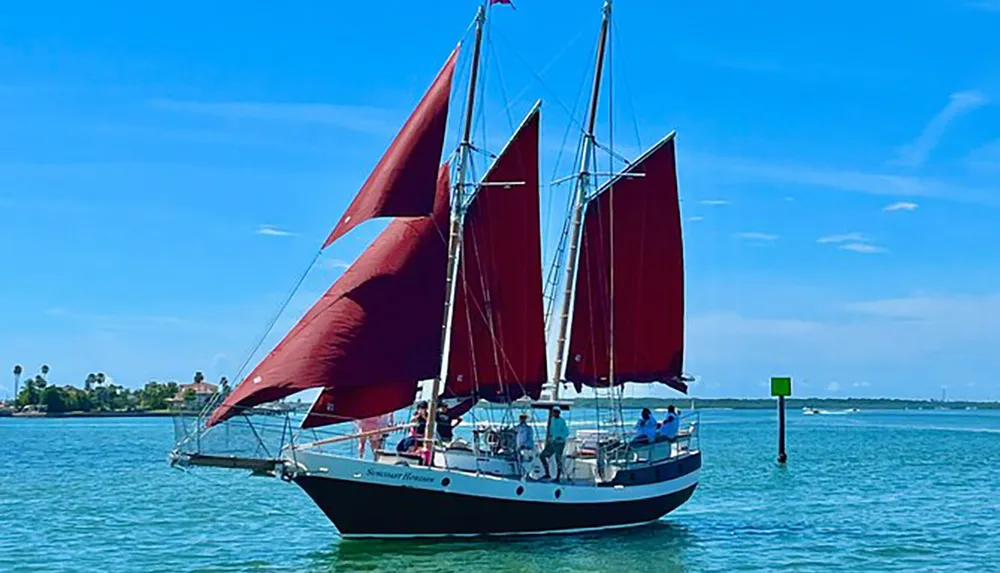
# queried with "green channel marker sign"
point(781, 386)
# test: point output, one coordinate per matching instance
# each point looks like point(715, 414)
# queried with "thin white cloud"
point(862, 384)
point(904, 335)
point(742, 170)
point(862, 248)
point(333, 264)
point(915, 153)
point(981, 308)
point(272, 231)
point(985, 158)
point(987, 5)
point(845, 238)
point(696, 218)
point(124, 322)
point(901, 206)
point(714, 202)
point(754, 236)
point(722, 169)
point(833, 387)
point(362, 119)
point(789, 199)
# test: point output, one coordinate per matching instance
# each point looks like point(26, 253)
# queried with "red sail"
point(631, 236)
point(378, 325)
point(402, 184)
point(497, 348)
point(336, 405)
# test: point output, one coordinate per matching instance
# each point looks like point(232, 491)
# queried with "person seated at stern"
point(645, 428)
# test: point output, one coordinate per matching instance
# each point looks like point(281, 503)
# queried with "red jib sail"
point(377, 328)
point(631, 272)
point(402, 184)
point(497, 344)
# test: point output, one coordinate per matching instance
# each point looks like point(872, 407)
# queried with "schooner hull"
point(435, 502)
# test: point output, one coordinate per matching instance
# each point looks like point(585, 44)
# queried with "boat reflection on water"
point(666, 544)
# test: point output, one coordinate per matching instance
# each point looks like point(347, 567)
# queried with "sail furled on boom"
point(629, 288)
point(375, 330)
point(497, 340)
point(402, 184)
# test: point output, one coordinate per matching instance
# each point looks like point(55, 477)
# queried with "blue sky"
point(167, 171)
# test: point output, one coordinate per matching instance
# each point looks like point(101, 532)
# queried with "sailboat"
point(452, 292)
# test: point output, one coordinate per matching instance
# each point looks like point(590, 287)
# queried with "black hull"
point(360, 509)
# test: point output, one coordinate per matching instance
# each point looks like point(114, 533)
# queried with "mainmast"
point(583, 182)
point(455, 234)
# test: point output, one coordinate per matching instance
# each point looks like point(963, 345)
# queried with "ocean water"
point(871, 491)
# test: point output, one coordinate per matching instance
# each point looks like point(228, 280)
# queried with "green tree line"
point(97, 395)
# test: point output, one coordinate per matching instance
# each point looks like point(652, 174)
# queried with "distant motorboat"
point(807, 411)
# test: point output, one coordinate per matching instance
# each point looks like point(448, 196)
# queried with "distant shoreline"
point(133, 414)
point(630, 404)
point(796, 403)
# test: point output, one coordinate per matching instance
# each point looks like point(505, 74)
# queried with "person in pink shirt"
point(372, 424)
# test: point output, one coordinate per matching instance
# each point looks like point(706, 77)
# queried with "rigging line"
point(502, 358)
point(628, 89)
point(503, 87)
point(611, 225)
point(613, 154)
point(277, 315)
point(541, 82)
point(611, 215)
point(545, 68)
point(562, 150)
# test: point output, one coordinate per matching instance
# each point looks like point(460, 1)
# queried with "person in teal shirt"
point(555, 443)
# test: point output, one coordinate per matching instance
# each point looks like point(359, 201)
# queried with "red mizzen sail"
point(378, 327)
point(646, 262)
point(402, 184)
point(497, 348)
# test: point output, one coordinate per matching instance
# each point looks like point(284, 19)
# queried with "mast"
point(580, 202)
point(455, 235)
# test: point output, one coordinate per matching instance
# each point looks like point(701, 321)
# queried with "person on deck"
point(645, 428)
point(418, 428)
point(671, 424)
point(371, 426)
point(445, 424)
point(525, 437)
point(555, 443)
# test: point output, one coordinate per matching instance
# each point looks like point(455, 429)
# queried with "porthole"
point(519, 490)
point(445, 482)
point(558, 493)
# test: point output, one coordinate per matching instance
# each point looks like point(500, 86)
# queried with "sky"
point(167, 171)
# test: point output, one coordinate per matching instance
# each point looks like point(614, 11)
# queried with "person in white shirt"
point(645, 428)
point(671, 424)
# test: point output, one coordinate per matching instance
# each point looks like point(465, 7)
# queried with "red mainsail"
point(631, 272)
point(402, 184)
point(497, 344)
point(378, 327)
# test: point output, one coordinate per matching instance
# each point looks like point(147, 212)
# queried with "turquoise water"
point(872, 491)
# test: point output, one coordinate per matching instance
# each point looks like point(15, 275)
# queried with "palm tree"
point(199, 377)
point(45, 370)
point(89, 382)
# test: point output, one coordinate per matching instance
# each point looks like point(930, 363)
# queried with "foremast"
point(464, 152)
point(581, 196)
